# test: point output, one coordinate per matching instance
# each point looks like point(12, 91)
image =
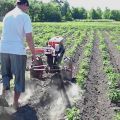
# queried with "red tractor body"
point(55, 40)
point(40, 65)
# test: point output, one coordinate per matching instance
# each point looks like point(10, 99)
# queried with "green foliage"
point(118, 47)
point(113, 77)
point(117, 116)
point(108, 69)
point(114, 95)
point(114, 37)
point(73, 114)
point(106, 62)
point(93, 14)
point(56, 11)
point(5, 6)
point(84, 64)
point(65, 8)
point(106, 13)
point(81, 80)
point(87, 52)
point(35, 10)
point(79, 13)
point(115, 15)
point(68, 16)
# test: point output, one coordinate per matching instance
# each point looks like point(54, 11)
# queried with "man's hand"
point(59, 55)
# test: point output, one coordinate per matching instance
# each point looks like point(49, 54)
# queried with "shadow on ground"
point(23, 113)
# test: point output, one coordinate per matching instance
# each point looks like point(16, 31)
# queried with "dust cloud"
point(73, 93)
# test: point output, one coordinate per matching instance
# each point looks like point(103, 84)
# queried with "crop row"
point(84, 64)
point(115, 39)
point(112, 76)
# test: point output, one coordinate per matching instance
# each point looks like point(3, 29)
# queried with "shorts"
point(12, 64)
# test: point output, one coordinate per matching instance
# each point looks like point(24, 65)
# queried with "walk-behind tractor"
point(48, 60)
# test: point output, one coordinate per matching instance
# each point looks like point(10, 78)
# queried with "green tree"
point(6, 6)
point(79, 13)
point(106, 13)
point(99, 13)
point(115, 15)
point(59, 10)
point(93, 14)
point(51, 13)
point(75, 13)
point(35, 10)
point(68, 16)
point(65, 8)
point(83, 13)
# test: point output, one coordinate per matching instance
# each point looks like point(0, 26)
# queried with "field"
point(94, 48)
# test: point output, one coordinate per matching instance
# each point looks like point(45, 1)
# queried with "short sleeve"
point(27, 24)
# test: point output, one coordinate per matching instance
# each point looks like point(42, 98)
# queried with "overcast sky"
point(88, 4)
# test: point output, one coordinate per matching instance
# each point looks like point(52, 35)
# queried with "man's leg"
point(6, 71)
point(6, 76)
point(16, 98)
point(18, 68)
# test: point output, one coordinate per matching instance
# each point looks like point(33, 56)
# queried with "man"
point(59, 51)
point(16, 27)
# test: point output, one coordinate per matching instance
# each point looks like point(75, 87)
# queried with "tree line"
point(59, 10)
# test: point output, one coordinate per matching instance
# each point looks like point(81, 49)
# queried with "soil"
point(114, 53)
point(44, 99)
point(96, 104)
point(115, 61)
point(47, 99)
point(78, 56)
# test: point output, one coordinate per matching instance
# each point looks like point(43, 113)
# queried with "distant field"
point(45, 30)
point(100, 25)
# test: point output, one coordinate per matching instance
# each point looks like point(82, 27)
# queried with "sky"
point(88, 4)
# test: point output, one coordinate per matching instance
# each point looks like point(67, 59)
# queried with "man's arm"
point(61, 50)
point(29, 40)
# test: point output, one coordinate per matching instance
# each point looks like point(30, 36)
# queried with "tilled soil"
point(115, 61)
point(48, 98)
point(78, 56)
point(114, 53)
point(96, 102)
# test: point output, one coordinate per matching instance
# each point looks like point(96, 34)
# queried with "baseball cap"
point(21, 2)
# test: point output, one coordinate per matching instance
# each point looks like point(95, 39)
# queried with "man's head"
point(22, 4)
